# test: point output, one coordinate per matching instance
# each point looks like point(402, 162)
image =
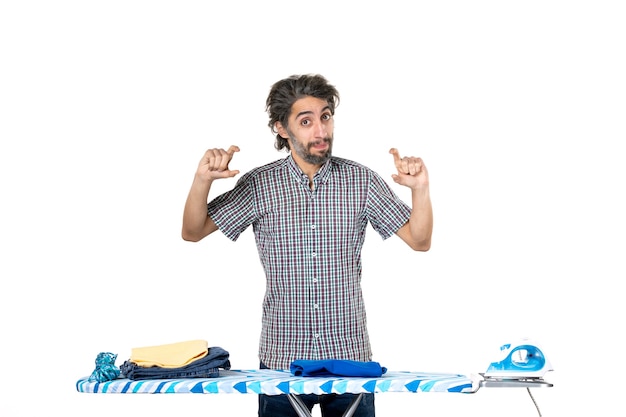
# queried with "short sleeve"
point(386, 212)
point(234, 210)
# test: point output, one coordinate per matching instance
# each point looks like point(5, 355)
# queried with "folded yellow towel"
point(172, 355)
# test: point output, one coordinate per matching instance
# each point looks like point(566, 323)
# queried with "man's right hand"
point(214, 164)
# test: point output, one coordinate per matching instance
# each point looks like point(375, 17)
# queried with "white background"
point(517, 108)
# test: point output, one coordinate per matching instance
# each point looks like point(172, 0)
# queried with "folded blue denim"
point(206, 367)
point(336, 367)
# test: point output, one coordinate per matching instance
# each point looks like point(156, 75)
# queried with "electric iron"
point(519, 362)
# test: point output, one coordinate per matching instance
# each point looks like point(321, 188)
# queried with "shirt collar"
point(320, 176)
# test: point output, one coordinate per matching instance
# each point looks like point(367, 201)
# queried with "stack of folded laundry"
point(190, 359)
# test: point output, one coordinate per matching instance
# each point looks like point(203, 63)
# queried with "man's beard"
point(303, 151)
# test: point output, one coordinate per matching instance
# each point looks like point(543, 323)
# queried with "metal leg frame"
point(303, 411)
point(298, 405)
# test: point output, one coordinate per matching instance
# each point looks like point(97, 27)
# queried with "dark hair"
point(287, 91)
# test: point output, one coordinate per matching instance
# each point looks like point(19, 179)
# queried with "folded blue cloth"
point(336, 367)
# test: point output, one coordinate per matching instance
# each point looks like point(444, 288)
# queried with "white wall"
point(516, 107)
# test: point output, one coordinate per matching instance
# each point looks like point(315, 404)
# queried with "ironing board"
point(273, 382)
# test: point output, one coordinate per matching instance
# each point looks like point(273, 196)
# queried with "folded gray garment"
point(206, 367)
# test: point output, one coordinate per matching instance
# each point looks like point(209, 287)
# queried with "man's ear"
point(281, 130)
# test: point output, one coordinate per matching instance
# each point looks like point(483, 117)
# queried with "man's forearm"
point(421, 220)
point(195, 216)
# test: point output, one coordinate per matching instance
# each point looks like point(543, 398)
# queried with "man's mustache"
point(317, 142)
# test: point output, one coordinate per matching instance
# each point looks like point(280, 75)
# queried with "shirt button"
point(312, 227)
point(314, 280)
point(314, 254)
point(316, 335)
point(316, 306)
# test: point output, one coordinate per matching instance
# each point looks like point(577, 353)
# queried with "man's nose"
point(320, 129)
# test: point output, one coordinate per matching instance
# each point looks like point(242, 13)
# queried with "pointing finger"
point(397, 161)
point(395, 153)
point(232, 149)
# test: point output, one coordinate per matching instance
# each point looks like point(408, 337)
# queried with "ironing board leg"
point(353, 406)
point(302, 411)
point(298, 405)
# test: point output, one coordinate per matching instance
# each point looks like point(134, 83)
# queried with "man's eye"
point(326, 116)
point(304, 122)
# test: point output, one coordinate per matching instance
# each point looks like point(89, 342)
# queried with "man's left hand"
point(412, 172)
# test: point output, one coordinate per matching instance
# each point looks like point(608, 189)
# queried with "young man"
point(309, 213)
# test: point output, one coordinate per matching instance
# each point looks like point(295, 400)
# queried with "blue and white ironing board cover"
point(272, 382)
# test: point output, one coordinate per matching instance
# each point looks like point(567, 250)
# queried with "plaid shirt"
point(309, 242)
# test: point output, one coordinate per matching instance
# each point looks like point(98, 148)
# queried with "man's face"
point(310, 132)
